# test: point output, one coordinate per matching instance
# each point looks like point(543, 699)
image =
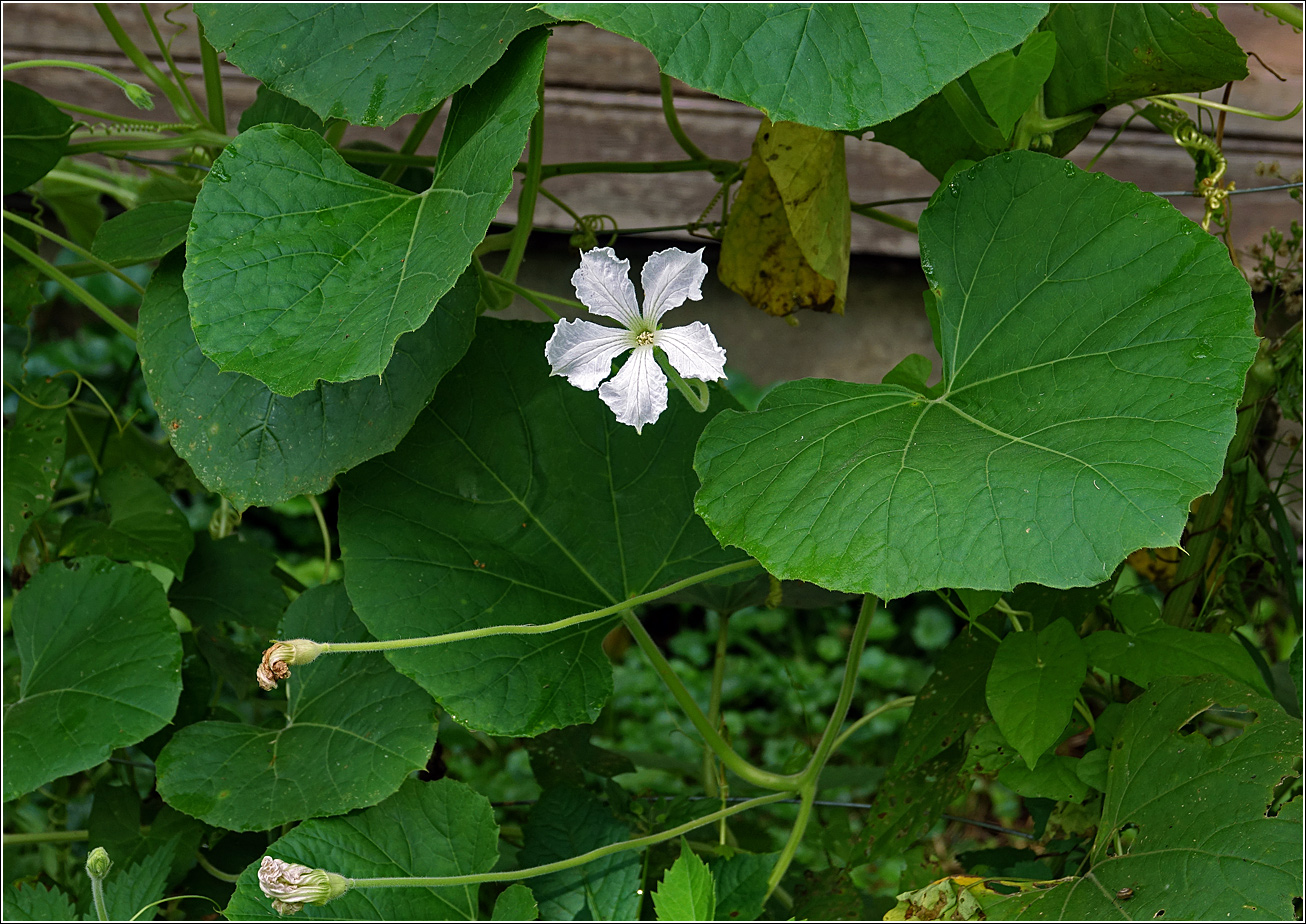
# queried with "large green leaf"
point(101, 669)
point(1094, 343)
point(441, 828)
point(1110, 53)
point(368, 63)
point(34, 450)
point(143, 525)
point(1032, 686)
point(834, 66)
point(1206, 842)
point(354, 729)
point(567, 822)
point(301, 268)
point(1168, 651)
point(517, 498)
point(35, 136)
point(259, 448)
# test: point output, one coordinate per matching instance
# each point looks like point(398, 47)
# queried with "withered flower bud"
point(278, 658)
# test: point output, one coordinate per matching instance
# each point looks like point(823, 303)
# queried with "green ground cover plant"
point(329, 592)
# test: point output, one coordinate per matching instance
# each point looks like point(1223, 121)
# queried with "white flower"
point(583, 351)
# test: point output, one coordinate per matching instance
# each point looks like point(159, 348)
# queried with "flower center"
point(645, 338)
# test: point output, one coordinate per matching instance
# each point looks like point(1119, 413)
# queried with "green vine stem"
point(598, 853)
point(535, 298)
point(673, 122)
point(1260, 383)
point(326, 537)
point(145, 65)
point(902, 702)
point(46, 837)
point(1224, 107)
point(200, 137)
point(537, 629)
point(136, 94)
point(103, 266)
point(335, 133)
point(73, 289)
point(1287, 13)
point(746, 771)
point(892, 221)
point(178, 77)
point(529, 191)
point(711, 786)
point(810, 777)
point(414, 140)
point(697, 396)
point(213, 97)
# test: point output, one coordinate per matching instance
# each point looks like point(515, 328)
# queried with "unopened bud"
point(98, 863)
point(292, 886)
point(278, 658)
point(139, 96)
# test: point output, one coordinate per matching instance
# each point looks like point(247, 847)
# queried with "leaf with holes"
point(1189, 825)
point(301, 268)
point(34, 449)
point(333, 753)
point(517, 498)
point(1094, 344)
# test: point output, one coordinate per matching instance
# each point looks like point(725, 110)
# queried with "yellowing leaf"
point(786, 246)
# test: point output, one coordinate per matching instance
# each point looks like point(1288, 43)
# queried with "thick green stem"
point(811, 774)
point(103, 267)
point(144, 65)
point(335, 133)
point(45, 837)
point(714, 699)
point(529, 192)
point(541, 629)
point(637, 843)
point(697, 397)
point(535, 298)
point(73, 289)
point(1178, 604)
point(1223, 107)
point(213, 97)
point(1287, 13)
point(326, 537)
point(412, 142)
point(97, 896)
point(673, 122)
point(893, 221)
point(198, 138)
point(725, 753)
point(136, 94)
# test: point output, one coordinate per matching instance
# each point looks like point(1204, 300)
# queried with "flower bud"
point(98, 863)
point(278, 658)
point(292, 886)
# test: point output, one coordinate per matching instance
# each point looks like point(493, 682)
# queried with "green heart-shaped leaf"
point(301, 268)
point(834, 66)
point(1032, 685)
point(367, 63)
point(1094, 344)
point(101, 669)
point(258, 448)
point(354, 729)
point(440, 828)
point(517, 498)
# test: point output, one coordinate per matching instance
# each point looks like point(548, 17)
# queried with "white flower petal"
point(603, 284)
point(693, 351)
point(638, 393)
point(669, 277)
point(583, 351)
